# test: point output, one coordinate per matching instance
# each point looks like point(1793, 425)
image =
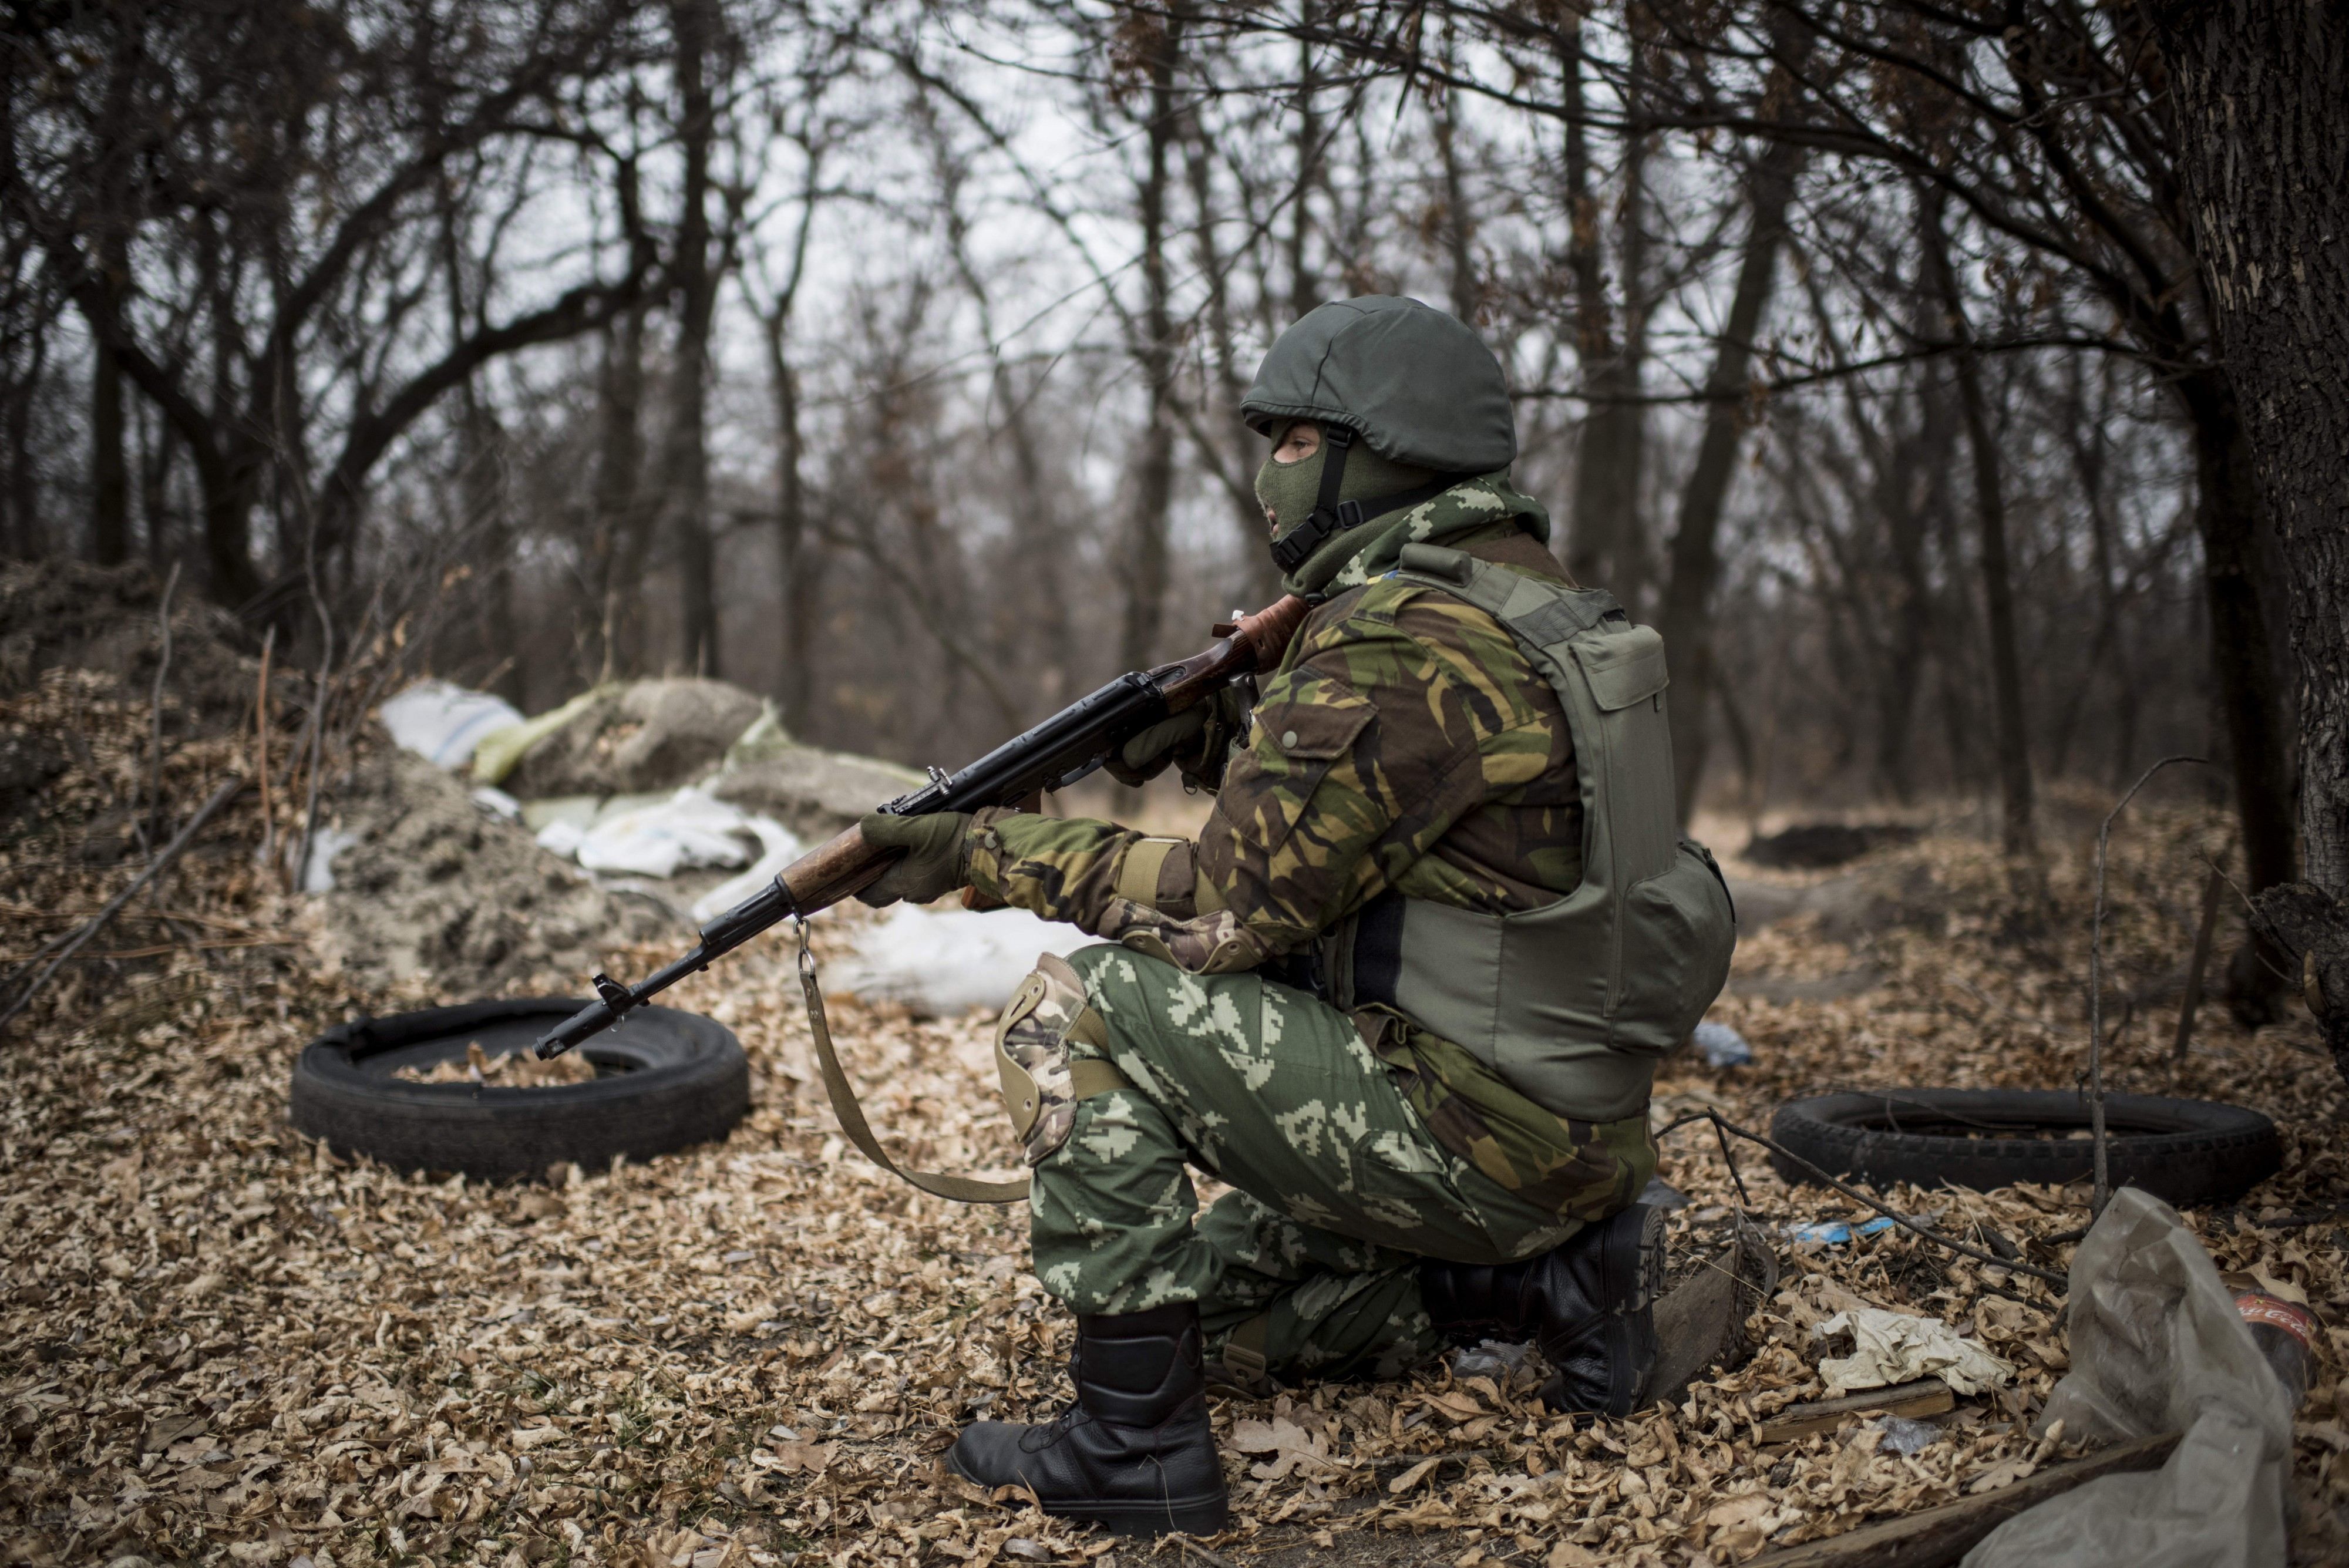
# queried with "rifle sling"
point(960, 1188)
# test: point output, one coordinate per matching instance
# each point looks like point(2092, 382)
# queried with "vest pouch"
point(1524, 993)
point(1677, 935)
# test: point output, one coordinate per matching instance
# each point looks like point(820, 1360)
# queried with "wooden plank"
point(1940, 1536)
point(1926, 1397)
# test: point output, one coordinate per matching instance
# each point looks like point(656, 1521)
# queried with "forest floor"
point(219, 1344)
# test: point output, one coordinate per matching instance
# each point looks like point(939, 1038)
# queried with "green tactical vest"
point(1571, 1004)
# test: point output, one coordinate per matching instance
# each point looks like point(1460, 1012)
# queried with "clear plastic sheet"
point(2158, 1345)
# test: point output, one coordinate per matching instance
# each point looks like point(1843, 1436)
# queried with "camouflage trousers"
point(1310, 1267)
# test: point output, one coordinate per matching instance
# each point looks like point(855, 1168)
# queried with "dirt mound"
point(650, 735)
point(434, 888)
point(1817, 845)
point(69, 615)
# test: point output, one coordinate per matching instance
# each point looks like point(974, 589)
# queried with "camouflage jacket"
point(1405, 744)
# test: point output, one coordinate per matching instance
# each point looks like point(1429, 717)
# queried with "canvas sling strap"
point(1087, 1078)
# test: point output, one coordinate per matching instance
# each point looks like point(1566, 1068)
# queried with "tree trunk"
point(1153, 479)
point(618, 545)
point(232, 488)
point(793, 558)
point(2015, 835)
point(110, 473)
point(1606, 545)
point(1459, 232)
point(2228, 510)
point(1687, 614)
point(1304, 288)
point(1259, 578)
point(155, 486)
point(27, 538)
point(2261, 96)
point(685, 467)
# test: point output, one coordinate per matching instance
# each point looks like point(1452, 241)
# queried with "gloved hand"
point(1198, 741)
point(934, 862)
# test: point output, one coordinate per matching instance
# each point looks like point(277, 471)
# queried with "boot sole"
point(1205, 1513)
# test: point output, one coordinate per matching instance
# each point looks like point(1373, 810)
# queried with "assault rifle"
point(1057, 753)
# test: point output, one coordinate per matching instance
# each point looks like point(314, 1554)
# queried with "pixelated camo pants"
point(1341, 1187)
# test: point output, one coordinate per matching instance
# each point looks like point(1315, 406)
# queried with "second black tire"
point(2184, 1152)
point(665, 1079)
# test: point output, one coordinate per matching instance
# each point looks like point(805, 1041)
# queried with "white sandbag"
point(318, 876)
point(943, 961)
point(442, 723)
point(688, 828)
point(561, 837)
point(779, 846)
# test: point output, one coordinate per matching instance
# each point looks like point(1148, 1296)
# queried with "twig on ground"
point(2097, 993)
point(154, 827)
point(1856, 1196)
point(99, 921)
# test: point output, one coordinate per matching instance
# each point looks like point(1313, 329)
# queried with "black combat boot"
point(1134, 1452)
point(1588, 1303)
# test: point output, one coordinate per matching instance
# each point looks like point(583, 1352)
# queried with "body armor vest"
point(1570, 1004)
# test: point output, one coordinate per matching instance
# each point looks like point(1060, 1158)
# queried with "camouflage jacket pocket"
point(1299, 737)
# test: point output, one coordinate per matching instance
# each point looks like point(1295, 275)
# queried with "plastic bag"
point(2158, 1345)
point(442, 723)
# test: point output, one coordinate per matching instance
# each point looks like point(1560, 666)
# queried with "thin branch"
point(99, 921)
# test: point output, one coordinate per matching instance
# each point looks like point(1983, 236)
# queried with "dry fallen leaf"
point(190, 1290)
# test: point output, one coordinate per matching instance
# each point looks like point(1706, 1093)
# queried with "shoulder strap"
point(1539, 611)
point(836, 1089)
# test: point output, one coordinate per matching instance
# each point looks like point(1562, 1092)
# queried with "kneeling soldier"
point(1404, 993)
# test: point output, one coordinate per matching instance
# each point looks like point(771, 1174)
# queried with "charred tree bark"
point(2261, 99)
point(1686, 620)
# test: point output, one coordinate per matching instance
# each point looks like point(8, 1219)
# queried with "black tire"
point(2184, 1152)
point(664, 1080)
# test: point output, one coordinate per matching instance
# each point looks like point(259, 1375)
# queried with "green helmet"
point(1414, 384)
point(1417, 385)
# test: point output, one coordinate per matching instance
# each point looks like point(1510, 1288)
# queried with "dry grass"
point(218, 1343)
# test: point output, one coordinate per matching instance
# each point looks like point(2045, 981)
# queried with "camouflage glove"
point(933, 864)
point(1197, 740)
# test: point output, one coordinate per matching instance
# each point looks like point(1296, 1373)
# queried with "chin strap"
point(1331, 516)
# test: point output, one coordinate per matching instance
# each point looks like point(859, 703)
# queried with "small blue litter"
point(1722, 1046)
point(1834, 1232)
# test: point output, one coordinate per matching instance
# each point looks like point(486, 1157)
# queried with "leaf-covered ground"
point(217, 1343)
